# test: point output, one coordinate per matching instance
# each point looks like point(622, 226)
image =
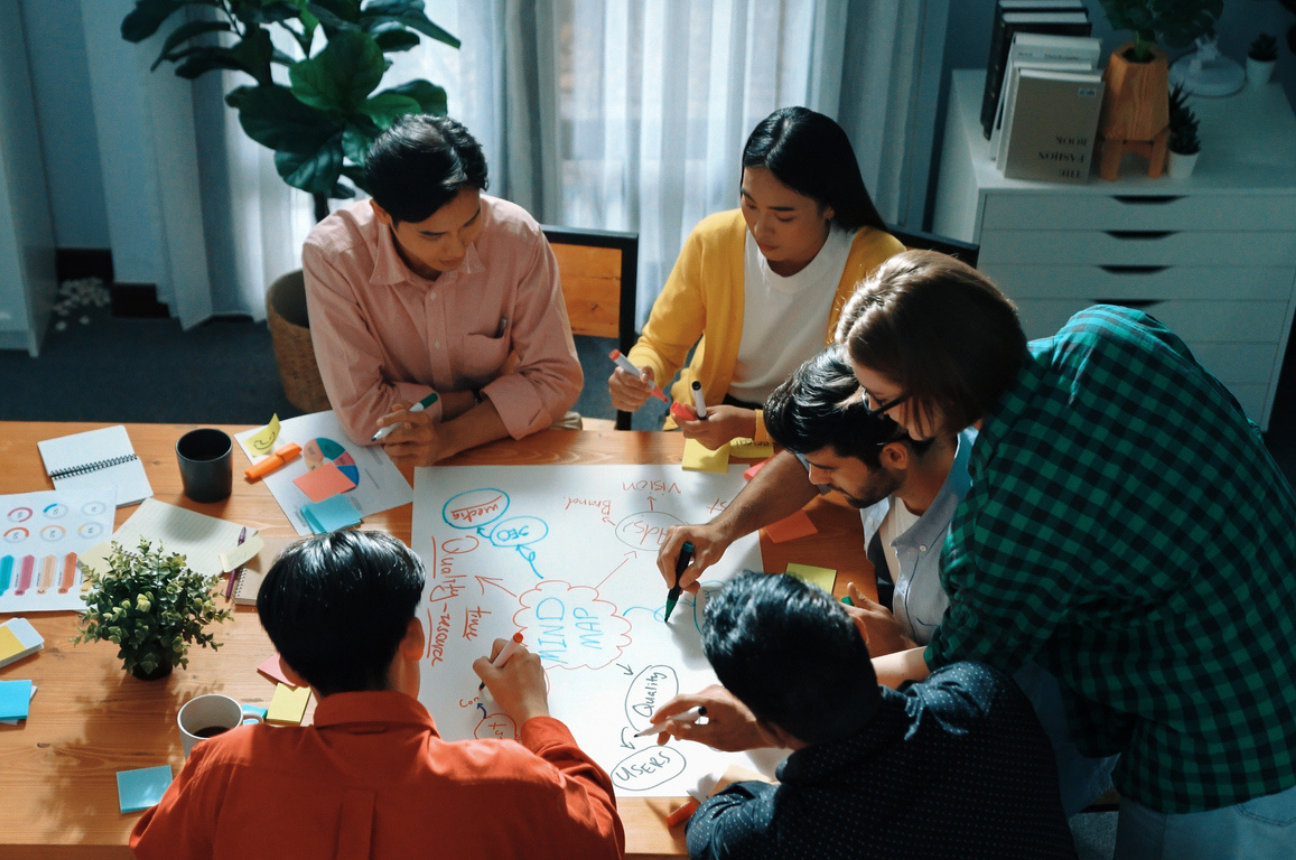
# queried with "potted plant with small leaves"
point(1185, 145)
point(1262, 56)
point(152, 607)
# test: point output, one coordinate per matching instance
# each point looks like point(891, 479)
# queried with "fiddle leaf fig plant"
point(321, 120)
point(152, 607)
point(1175, 23)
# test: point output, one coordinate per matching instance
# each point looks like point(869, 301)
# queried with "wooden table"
point(89, 720)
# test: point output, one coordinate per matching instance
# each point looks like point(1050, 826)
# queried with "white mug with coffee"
point(209, 715)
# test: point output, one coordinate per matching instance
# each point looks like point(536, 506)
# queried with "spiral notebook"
point(94, 458)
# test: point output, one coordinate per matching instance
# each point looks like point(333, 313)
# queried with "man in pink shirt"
point(434, 286)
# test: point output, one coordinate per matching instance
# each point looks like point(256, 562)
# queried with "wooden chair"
point(918, 240)
point(598, 273)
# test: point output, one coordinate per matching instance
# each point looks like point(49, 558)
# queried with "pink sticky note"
point(270, 668)
point(796, 526)
point(751, 472)
point(324, 482)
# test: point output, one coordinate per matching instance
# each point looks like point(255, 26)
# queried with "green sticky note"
point(820, 576)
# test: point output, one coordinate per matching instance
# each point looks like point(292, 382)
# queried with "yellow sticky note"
point(700, 458)
point(9, 644)
point(750, 449)
point(288, 704)
point(263, 441)
point(820, 576)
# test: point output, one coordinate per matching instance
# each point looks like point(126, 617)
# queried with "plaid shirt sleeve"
point(1128, 530)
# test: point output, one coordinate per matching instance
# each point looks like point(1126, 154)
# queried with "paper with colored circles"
point(42, 537)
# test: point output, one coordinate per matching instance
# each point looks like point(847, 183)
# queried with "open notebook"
point(97, 457)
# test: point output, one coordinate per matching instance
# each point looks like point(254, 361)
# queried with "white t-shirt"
point(784, 318)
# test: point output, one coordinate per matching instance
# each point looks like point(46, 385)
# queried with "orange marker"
point(274, 462)
point(682, 814)
point(503, 657)
point(624, 363)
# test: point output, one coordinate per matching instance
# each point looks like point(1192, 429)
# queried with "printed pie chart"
point(322, 450)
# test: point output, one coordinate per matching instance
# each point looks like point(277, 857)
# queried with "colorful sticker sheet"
point(43, 536)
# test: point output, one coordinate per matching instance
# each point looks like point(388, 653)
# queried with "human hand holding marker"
point(630, 386)
point(518, 686)
point(672, 597)
point(503, 656)
point(729, 725)
point(708, 543)
point(384, 432)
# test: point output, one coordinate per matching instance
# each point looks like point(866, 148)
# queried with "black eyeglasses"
point(890, 404)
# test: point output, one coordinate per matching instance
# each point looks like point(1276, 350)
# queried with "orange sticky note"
point(270, 668)
point(751, 472)
point(324, 482)
point(796, 526)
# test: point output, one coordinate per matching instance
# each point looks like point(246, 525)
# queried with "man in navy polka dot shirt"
point(954, 767)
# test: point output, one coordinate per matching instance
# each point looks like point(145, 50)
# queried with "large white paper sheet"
point(379, 484)
point(567, 555)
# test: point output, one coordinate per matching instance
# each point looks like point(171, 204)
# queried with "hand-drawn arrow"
point(483, 709)
point(625, 668)
point(482, 580)
point(650, 502)
point(608, 520)
point(609, 576)
point(630, 745)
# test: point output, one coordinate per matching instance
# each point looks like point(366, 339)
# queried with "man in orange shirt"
point(371, 778)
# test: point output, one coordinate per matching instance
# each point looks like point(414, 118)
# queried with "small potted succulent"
point(152, 607)
point(1184, 144)
point(1262, 56)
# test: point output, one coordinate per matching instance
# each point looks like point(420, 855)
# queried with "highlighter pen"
point(691, 716)
point(273, 463)
point(698, 403)
point(384, 432)
point(624, 363)
point(672, 597)
point(505, 653)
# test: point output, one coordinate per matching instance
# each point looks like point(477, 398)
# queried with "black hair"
point(940, 330)
point(811, 154)
point(820, 406)
point(420, 164)
point(792, 655)
point(337, 607)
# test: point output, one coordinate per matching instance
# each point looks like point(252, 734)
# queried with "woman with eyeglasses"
point(1125, 528)
point(758, 289)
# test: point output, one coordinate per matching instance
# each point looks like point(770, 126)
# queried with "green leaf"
point(143, 21)
point(431, 98)
point(315, 171)
point(254, 52)
point(409, 13)
point(341, 76)
point(385, 108)
point(274, 118)
point(185, 32)
point(395, 39)
point(202, 60)
point(268, 12)
point(340, 191)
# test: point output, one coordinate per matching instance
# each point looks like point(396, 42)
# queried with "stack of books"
point(1048, 108)
point(1058, 17)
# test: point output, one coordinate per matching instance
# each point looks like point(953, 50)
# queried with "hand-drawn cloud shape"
point(475, 508)
point(570, 627)
point(651, 688)
point(648, 768)
point(646, 530)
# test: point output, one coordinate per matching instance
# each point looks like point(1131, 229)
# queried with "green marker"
point(846, 599)
point(685, 556)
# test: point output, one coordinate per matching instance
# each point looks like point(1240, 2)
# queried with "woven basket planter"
point(290, 334)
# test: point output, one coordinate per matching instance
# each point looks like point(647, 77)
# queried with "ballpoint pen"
point(234, 574)
point(672, 597)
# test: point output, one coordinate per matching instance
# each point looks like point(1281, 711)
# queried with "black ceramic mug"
point(206, 468)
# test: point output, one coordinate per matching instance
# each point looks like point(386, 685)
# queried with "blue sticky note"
point(142, 788)
point(15, 699)
point(335, 512)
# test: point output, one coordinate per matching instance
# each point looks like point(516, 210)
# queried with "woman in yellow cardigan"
point(758, 289)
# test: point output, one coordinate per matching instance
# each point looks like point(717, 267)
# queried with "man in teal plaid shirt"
point(1125, 528)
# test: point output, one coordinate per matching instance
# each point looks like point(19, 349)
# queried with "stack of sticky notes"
point(270, 668)
point(324, 482)
point(700, 458)
point(18, 639)
point(15, 699)
point(331, 514)
point(823, 577)
point(750, 448)
point(288, 704)
point(141, 788)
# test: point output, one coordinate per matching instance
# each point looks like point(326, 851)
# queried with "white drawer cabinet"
point(1213, 257)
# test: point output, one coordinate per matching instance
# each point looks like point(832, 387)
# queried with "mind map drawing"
point(567, 555)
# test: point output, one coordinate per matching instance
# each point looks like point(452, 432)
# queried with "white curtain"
point(627, 115)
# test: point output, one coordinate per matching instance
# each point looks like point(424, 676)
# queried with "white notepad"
point(97, 457)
